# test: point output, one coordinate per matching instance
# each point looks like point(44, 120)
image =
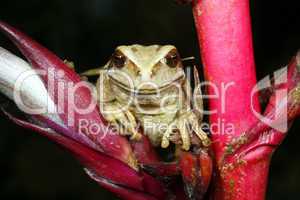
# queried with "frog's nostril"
point(145, 77)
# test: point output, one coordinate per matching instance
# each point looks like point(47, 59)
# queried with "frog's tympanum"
point(144, 89)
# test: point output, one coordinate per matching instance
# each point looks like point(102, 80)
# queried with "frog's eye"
point(118, 59)
point(172, 59)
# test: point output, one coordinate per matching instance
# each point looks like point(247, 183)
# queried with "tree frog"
point(144, 89)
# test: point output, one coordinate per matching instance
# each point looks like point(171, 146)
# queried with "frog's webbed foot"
point(193, 121)
point(124, 120)
point(185, 125)
point(70, 64)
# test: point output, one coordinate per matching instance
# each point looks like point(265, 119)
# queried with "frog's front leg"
point(186, 124)
point(113, 111)
point(188, 120)
point(121, 118)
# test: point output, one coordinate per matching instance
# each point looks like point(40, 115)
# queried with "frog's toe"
point(202, 136)
point(199, 132)
point(165, 142)
point(185, 136)
point(70, 64)
point(124, 121)
point(135, 135)
point(181, 136)
point(132, 126)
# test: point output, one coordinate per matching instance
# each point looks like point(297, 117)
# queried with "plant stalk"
point(225, 38)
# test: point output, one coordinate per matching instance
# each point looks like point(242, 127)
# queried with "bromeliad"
point(75, 120)
point(154, 78)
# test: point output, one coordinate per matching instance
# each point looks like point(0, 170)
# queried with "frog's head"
point(145, 69)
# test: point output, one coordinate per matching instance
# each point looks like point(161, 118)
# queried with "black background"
point(87, 32)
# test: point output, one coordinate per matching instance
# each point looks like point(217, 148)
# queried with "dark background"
point(86, 32)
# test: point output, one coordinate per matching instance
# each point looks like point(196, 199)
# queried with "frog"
point(145, 90)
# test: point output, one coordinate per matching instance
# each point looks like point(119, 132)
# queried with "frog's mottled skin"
point(147, 85)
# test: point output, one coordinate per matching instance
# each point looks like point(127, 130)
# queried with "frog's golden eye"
point(172, 59)
point(118, 59)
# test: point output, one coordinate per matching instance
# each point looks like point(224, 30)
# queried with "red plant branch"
point(243, 155)
point(226, 48)
point(224, 31)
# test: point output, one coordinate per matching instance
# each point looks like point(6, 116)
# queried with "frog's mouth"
point(147, 91)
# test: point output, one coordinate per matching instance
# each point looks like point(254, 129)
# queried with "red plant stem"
point(226, 48)
point(224, 31)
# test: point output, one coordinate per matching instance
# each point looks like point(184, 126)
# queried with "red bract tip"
point(57, 75)
point(196, 173)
